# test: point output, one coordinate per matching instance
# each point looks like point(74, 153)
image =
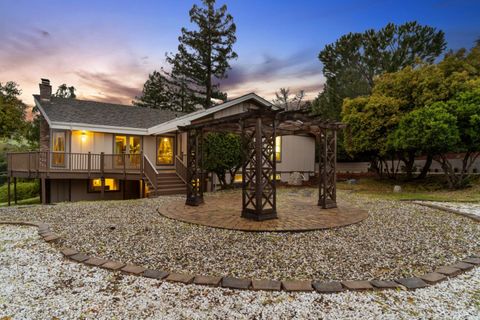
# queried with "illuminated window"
point(278, 176)
point(278, 149)
point(95, 185)
point(131, 145)
point(238, 178)
point(58, 158)
point(165, 150)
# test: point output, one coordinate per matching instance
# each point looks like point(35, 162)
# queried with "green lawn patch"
point(431, 189)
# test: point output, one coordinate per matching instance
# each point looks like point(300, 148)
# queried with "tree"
point(431, 129)
point(65, 91)
point(284, 99)
point(369, 121)
point(162, 91)
point(351, 64)
point(204, 53)
point(223, 153)
point(380, 133)
point(12, 110)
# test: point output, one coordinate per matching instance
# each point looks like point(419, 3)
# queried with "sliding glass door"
point(131, 146)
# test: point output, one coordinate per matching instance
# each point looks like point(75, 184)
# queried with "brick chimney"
point(45, 89)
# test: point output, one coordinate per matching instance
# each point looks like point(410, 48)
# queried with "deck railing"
point(44, 161)
point(181, 168)
point(150, 172)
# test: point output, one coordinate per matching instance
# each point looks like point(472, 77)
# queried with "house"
point(93, 150)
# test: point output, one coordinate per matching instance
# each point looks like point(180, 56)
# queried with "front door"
point(58, 158)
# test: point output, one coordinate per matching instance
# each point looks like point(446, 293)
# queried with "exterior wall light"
point(84, 136)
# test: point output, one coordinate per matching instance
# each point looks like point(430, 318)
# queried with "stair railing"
point(181, 168)
point(150, 172)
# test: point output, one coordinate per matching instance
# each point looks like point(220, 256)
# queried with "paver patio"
point(296, 212)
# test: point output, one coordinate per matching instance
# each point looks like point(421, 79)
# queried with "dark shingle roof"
point(105, 114)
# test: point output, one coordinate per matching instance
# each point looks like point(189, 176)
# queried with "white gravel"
point(468, 208)
point(398, 239)
point(36, 282)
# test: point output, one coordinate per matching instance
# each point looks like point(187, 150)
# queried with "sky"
point(106, 49)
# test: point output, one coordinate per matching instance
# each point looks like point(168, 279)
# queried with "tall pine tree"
point(204, 53)
point(162, 91)
point(353, 61)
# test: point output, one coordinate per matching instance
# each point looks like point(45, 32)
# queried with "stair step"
point(171, 186)
point(162, 179)
point(167, 174)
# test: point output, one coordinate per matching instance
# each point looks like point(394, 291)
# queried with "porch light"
point(84, 136)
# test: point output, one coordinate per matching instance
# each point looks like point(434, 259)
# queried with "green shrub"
point(25, 190)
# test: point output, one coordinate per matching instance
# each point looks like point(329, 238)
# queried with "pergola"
point(259, 126)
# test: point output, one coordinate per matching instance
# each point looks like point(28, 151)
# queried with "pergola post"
point(327, 192)
point(259, 171)
point(194, 167)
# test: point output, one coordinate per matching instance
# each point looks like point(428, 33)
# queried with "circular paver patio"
point(296, 212)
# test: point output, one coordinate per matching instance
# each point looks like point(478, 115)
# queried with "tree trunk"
point(426, 167)
point(409, 162)
point(448, 170)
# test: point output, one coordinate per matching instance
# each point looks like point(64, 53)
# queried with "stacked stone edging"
point(441, 273)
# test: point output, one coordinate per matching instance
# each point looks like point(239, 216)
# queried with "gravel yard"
point(38, 283)
point(399, 239)
point(468, 208)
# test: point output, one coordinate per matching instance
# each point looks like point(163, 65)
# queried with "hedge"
point(25, 190)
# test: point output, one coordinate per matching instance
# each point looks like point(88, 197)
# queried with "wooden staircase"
point(168, 182)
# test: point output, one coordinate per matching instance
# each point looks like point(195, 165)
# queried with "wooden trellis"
point(259, 199)
point(259, 127)
point(327, 192)
point(194, 167)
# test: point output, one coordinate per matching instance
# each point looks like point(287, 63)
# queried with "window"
point(58, 148)
point(131, 145)
point(278, 149)
point(95, 185)
point(165, 150)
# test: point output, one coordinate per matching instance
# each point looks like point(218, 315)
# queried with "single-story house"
point(93, 150)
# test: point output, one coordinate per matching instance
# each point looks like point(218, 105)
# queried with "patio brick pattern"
point(224, 211)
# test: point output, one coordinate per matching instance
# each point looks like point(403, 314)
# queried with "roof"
point(77, 113)
point(188, 118)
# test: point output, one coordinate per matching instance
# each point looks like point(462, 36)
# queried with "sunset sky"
point(107, 48)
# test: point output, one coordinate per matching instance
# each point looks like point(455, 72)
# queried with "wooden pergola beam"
point(259, 127)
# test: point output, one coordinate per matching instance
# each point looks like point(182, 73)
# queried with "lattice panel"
point(327, 169)
point(194, 163)
point(259, 171)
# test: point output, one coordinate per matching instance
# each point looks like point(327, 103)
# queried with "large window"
point(165, 150)
point(95, 185)
point(58, 147)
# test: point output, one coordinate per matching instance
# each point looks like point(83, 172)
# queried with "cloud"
point(298, 71)
point(44, 33)
point(109, 88)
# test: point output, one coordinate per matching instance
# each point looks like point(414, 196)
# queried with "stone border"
point(437, 207)
point(440, 273)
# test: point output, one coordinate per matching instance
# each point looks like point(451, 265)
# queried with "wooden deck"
point(63, 165)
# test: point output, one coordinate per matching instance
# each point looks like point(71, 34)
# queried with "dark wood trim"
point(8, 191)
point(44, 190)
point(70, 190)
point(15, 190)
point(102, 189)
